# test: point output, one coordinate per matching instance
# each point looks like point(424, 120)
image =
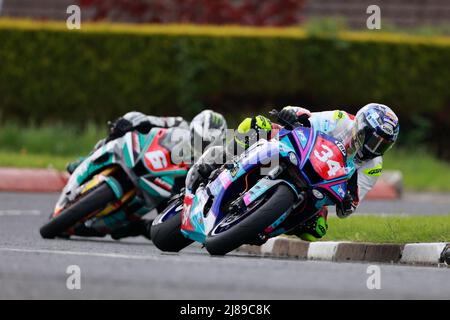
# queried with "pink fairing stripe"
point(329, 185)
point(303, 151)
point(225, 179)
point(247, 199)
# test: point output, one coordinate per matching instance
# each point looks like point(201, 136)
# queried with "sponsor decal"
point(326, 125)
point(293, 158)
point(186, 225)
point(163, 184)
point(388, 128)
point(339, 115)
point(391, 116)
point(372, 118)
point(317, 194)
point(341, 191)
point(341, 147)
point(302, 136)
point(373, 171)
point(234, 170)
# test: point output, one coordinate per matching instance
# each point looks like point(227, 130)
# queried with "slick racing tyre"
point(95, 199)
point(166, 229)
point(236, 230)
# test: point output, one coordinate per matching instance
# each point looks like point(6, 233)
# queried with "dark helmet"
point(375, 131)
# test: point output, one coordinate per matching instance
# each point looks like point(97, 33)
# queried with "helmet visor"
point(377, 145)
point(357, 136)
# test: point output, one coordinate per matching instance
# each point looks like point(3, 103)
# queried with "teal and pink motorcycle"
point(134, 171)
point(241, 204)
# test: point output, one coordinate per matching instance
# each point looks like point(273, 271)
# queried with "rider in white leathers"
point(207, 127)
point(367, 136)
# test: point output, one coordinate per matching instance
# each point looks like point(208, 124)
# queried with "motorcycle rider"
point(208, 126)
point(366, 136)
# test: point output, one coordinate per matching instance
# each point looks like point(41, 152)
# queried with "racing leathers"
point(338, 124)
point(128, 221)
point(135, 120)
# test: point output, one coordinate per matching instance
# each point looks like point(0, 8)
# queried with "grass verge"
point(24, 160)
point(52, 145)
point(395, 229)
point(56, 139)
point(421, 170)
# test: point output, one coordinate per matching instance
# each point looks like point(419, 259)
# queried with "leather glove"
point(198, 173)
point(144, 127)
point(287, 116)
point(118, 128)
point(205, 169)
point(250, 130)
point(347, 208)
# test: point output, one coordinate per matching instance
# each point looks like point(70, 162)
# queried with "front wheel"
point(166, 229)
point(229, 234)
point(94, 200)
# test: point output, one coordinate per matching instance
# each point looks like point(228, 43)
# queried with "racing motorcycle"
point(240, 204)
point(133, 171)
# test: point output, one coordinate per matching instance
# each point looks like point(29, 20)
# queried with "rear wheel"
point(236, 230)
point(166, 229)
point(94, 200)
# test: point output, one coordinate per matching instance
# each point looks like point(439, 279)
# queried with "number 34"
point(325, 156)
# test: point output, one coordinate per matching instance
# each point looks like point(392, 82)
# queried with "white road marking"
point(20, 213)
point(81, 253)
point(174, 257)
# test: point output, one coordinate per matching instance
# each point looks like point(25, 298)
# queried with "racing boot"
point(313, 229)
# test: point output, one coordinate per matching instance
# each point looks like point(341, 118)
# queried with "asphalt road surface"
point(32, 268)
point(410, 204)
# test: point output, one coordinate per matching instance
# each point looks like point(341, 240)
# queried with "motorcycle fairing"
point(197, 224)
point(157, 158)
point(193, 223)
point(312, 146)
point(126, 152)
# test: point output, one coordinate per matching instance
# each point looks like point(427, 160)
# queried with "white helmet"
point(376, 130)
point(207, 128)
